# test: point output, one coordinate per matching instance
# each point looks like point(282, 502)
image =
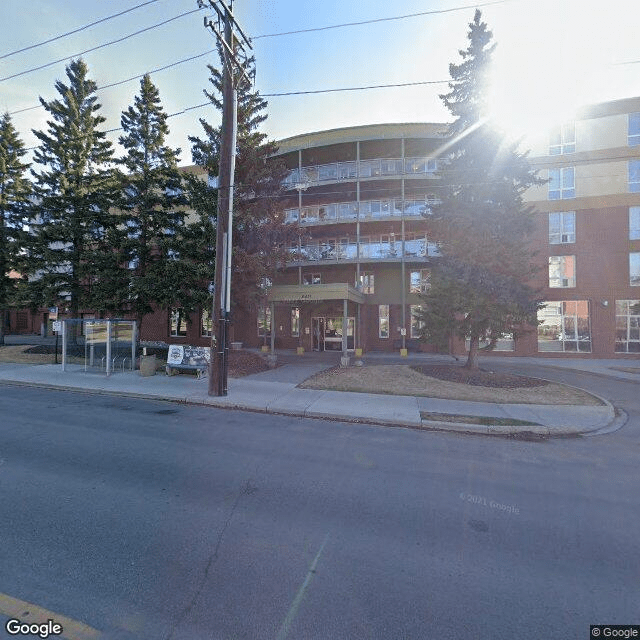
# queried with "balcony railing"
point(347, 250)
point(365, 210)
point(344, 171)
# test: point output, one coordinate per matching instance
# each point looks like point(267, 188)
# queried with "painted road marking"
point(33, 614)
point(297, 601)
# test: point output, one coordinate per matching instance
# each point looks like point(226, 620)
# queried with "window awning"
point(295, 293)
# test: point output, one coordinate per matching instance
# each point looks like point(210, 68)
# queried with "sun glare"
point(541, 76)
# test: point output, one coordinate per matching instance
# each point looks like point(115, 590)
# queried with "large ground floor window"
point(627, 326)
point(564, 326)
point(505, 342)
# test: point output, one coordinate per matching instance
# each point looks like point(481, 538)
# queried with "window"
point(295, 322)
point(417, 324)
point(634, 129)
point(562, 227)
point(264, 321)
point(563, 139)
point(206, 325)
point(562, 272)
point(627, 326)
point(564, 326)
point(383, 320)
point(367, 282)
point(505, 342)
point(420, 281)
point(634, 269)
point(634, 223)
point(311, 278)
point(562, 183)
point(634, 176)
point(177, 323)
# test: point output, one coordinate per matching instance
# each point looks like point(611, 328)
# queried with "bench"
point(411, 344)
point(183, 357)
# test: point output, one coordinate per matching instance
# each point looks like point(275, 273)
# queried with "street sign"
point(53, 313)
point(57, 326)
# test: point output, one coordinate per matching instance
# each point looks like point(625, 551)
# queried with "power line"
point(409, 15)
point(100, 46)
point(69, 33)
point(374, 86)
point(119, 82)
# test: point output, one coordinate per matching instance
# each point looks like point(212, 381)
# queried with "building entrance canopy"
point(294, 293)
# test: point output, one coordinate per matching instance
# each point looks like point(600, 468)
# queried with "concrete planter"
point(148, 365)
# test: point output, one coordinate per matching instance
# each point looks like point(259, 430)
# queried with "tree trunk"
point(473, 353)
point(3, 318)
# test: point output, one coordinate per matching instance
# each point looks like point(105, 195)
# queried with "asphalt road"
point(152, 520)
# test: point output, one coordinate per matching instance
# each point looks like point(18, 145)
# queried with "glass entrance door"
point(317, 329)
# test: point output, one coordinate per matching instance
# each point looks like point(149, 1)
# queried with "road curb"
point(539, 431)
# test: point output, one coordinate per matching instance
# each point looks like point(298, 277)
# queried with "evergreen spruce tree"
point(74, 187)
point(260, 235)
point(15, 189)
point(161, 244)
point(479, 285)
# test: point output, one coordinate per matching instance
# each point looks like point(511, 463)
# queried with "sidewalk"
point(275, 392)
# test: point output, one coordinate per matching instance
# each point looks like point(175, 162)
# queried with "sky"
point(551, 56)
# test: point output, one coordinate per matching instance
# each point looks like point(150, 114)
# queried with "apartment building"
point(361, 198)
point(588, 234)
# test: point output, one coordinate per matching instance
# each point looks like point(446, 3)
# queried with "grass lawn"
point(405, 381)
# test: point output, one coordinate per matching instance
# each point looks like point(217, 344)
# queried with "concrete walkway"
point(276, 391)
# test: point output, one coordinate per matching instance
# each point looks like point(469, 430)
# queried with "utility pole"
point(232, 42)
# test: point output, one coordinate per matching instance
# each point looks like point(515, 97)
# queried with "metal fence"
point(106, 346)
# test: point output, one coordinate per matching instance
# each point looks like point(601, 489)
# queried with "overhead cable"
point(409, 15)
point(69, 33)
point(100, 46)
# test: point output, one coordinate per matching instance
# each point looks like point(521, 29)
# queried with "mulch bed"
point(477, 377)
point(243, 363)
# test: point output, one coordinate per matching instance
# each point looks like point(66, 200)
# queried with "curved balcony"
point(382, 248)
point(364, 210)
point(354, 170)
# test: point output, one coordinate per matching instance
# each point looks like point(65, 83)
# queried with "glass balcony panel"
point(396, 207)
point(365, 209)
point(309, 175)
point(369, 168)
point(327, 212)
point(415, 165)
point(415, 248)
point(309, 215)
point(391, 167)
point(292, 178)
point(347, 170)
point(328, 250)
point(376, 208)
point(432, 165)
point(291, 215)
point(385, 207)
point(414, 207)
point(327, 172)
point(348, 210)
point(310, 252)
